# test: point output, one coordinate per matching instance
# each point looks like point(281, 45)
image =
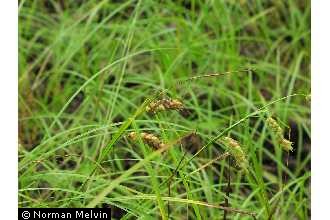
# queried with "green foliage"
point(89, 69)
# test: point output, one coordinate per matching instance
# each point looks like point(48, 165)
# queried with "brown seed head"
point(147, 138)
point(164, 104)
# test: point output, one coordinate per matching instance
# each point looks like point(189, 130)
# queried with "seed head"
point(164, 104)
point(237, 153)
point(147, 138)
point(275, 127)
point(286, 145)
point(277, 130)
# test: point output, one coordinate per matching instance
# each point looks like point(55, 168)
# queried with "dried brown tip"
point(277, 130)
point(147, 138)
point(164, 104)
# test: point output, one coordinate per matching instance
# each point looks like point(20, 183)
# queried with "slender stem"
point(227, 190)
point(168, 202)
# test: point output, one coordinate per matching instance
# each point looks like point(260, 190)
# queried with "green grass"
point(87, 70)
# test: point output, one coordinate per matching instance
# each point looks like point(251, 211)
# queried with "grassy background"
point(85, 67)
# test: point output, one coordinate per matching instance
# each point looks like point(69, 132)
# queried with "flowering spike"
point(147, 138)
point(164, 104)
point(277, 130)
point(286, 145)
point(237, 153)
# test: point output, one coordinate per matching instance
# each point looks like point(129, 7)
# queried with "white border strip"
point(9, 109)
point(320, 109)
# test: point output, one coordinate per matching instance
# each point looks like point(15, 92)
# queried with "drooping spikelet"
point(237, 153)
point(147, 138)
point(286, 145)
point(164, 104)
point(277, 130)
point(275, 127)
